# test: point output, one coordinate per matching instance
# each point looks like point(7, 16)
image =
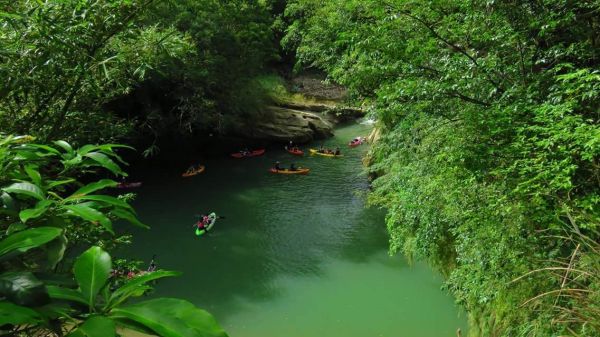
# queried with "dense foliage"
point(61, 62)
point(97, 71)
point(47, 216)
point(488, 160)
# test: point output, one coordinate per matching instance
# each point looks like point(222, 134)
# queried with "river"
point(295, 256)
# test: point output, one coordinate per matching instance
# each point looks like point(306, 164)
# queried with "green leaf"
point(55, 183)
point(34, 174)
point(15, 314)
point(8, 202)
point(15, 227)
point(89, 188)
point(25, 240)
point(55, 250)
point(105, 162)
point(32, 213)
point(126, 215)
point(90, 214)
point(51, 150)
point(60, 293)
point(92, 270)
point(23, 288)
point(131, 325)
point(66, 146)
point(95, 326)
point(86, 149)
point(25, 188)
point(127, 290)
point(170, 317)
point(57, 311)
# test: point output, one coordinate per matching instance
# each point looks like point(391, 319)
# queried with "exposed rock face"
point(285, 124)
point(335, 113)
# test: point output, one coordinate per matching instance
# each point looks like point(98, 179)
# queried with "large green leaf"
point(95, 326)
point(24, 240)
point(128, 289)
point(90, 214)
point(105, 162)
point(89, 188)
point(14, 314)
point(25, 188)
point(23, 288)
point(67, 294)
point(126, 215)
point(171, 317)
point(32, 213)
point(92, 270)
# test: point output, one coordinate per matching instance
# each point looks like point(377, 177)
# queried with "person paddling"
point(152, 266)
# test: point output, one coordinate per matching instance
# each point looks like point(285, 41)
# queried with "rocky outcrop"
point(282, 124)
point(335, 113)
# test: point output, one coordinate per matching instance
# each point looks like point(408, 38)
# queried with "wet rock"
point(282, 124)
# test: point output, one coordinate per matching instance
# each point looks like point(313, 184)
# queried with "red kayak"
point(295, 152)
point(254, 153)
point(129, 185)
point(356, 141)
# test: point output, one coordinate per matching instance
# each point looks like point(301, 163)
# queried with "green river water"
point(296, 256)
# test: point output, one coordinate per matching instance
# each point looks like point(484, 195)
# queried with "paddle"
point(198, 216)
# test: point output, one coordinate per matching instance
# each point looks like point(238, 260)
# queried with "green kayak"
point(212, 218)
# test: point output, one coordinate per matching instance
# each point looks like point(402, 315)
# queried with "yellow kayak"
point(315, 151)
point(287, 171)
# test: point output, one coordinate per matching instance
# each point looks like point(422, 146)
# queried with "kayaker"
point(337, 151)
point(202, 223)
point(291, 145)
point(321, 149)
point(277, 166)
point(293, 167)
point(152, 266)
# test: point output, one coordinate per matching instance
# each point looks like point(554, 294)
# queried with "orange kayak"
point(194, 170)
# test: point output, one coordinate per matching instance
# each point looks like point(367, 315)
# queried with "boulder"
point(284, 124)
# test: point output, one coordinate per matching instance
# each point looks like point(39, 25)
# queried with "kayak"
point(212, 218)
point(356, 142)
point(315, 151)
point(287, 171)
point(295, 152)
point(129, 185)
point(251, 154)
point(193, 171)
